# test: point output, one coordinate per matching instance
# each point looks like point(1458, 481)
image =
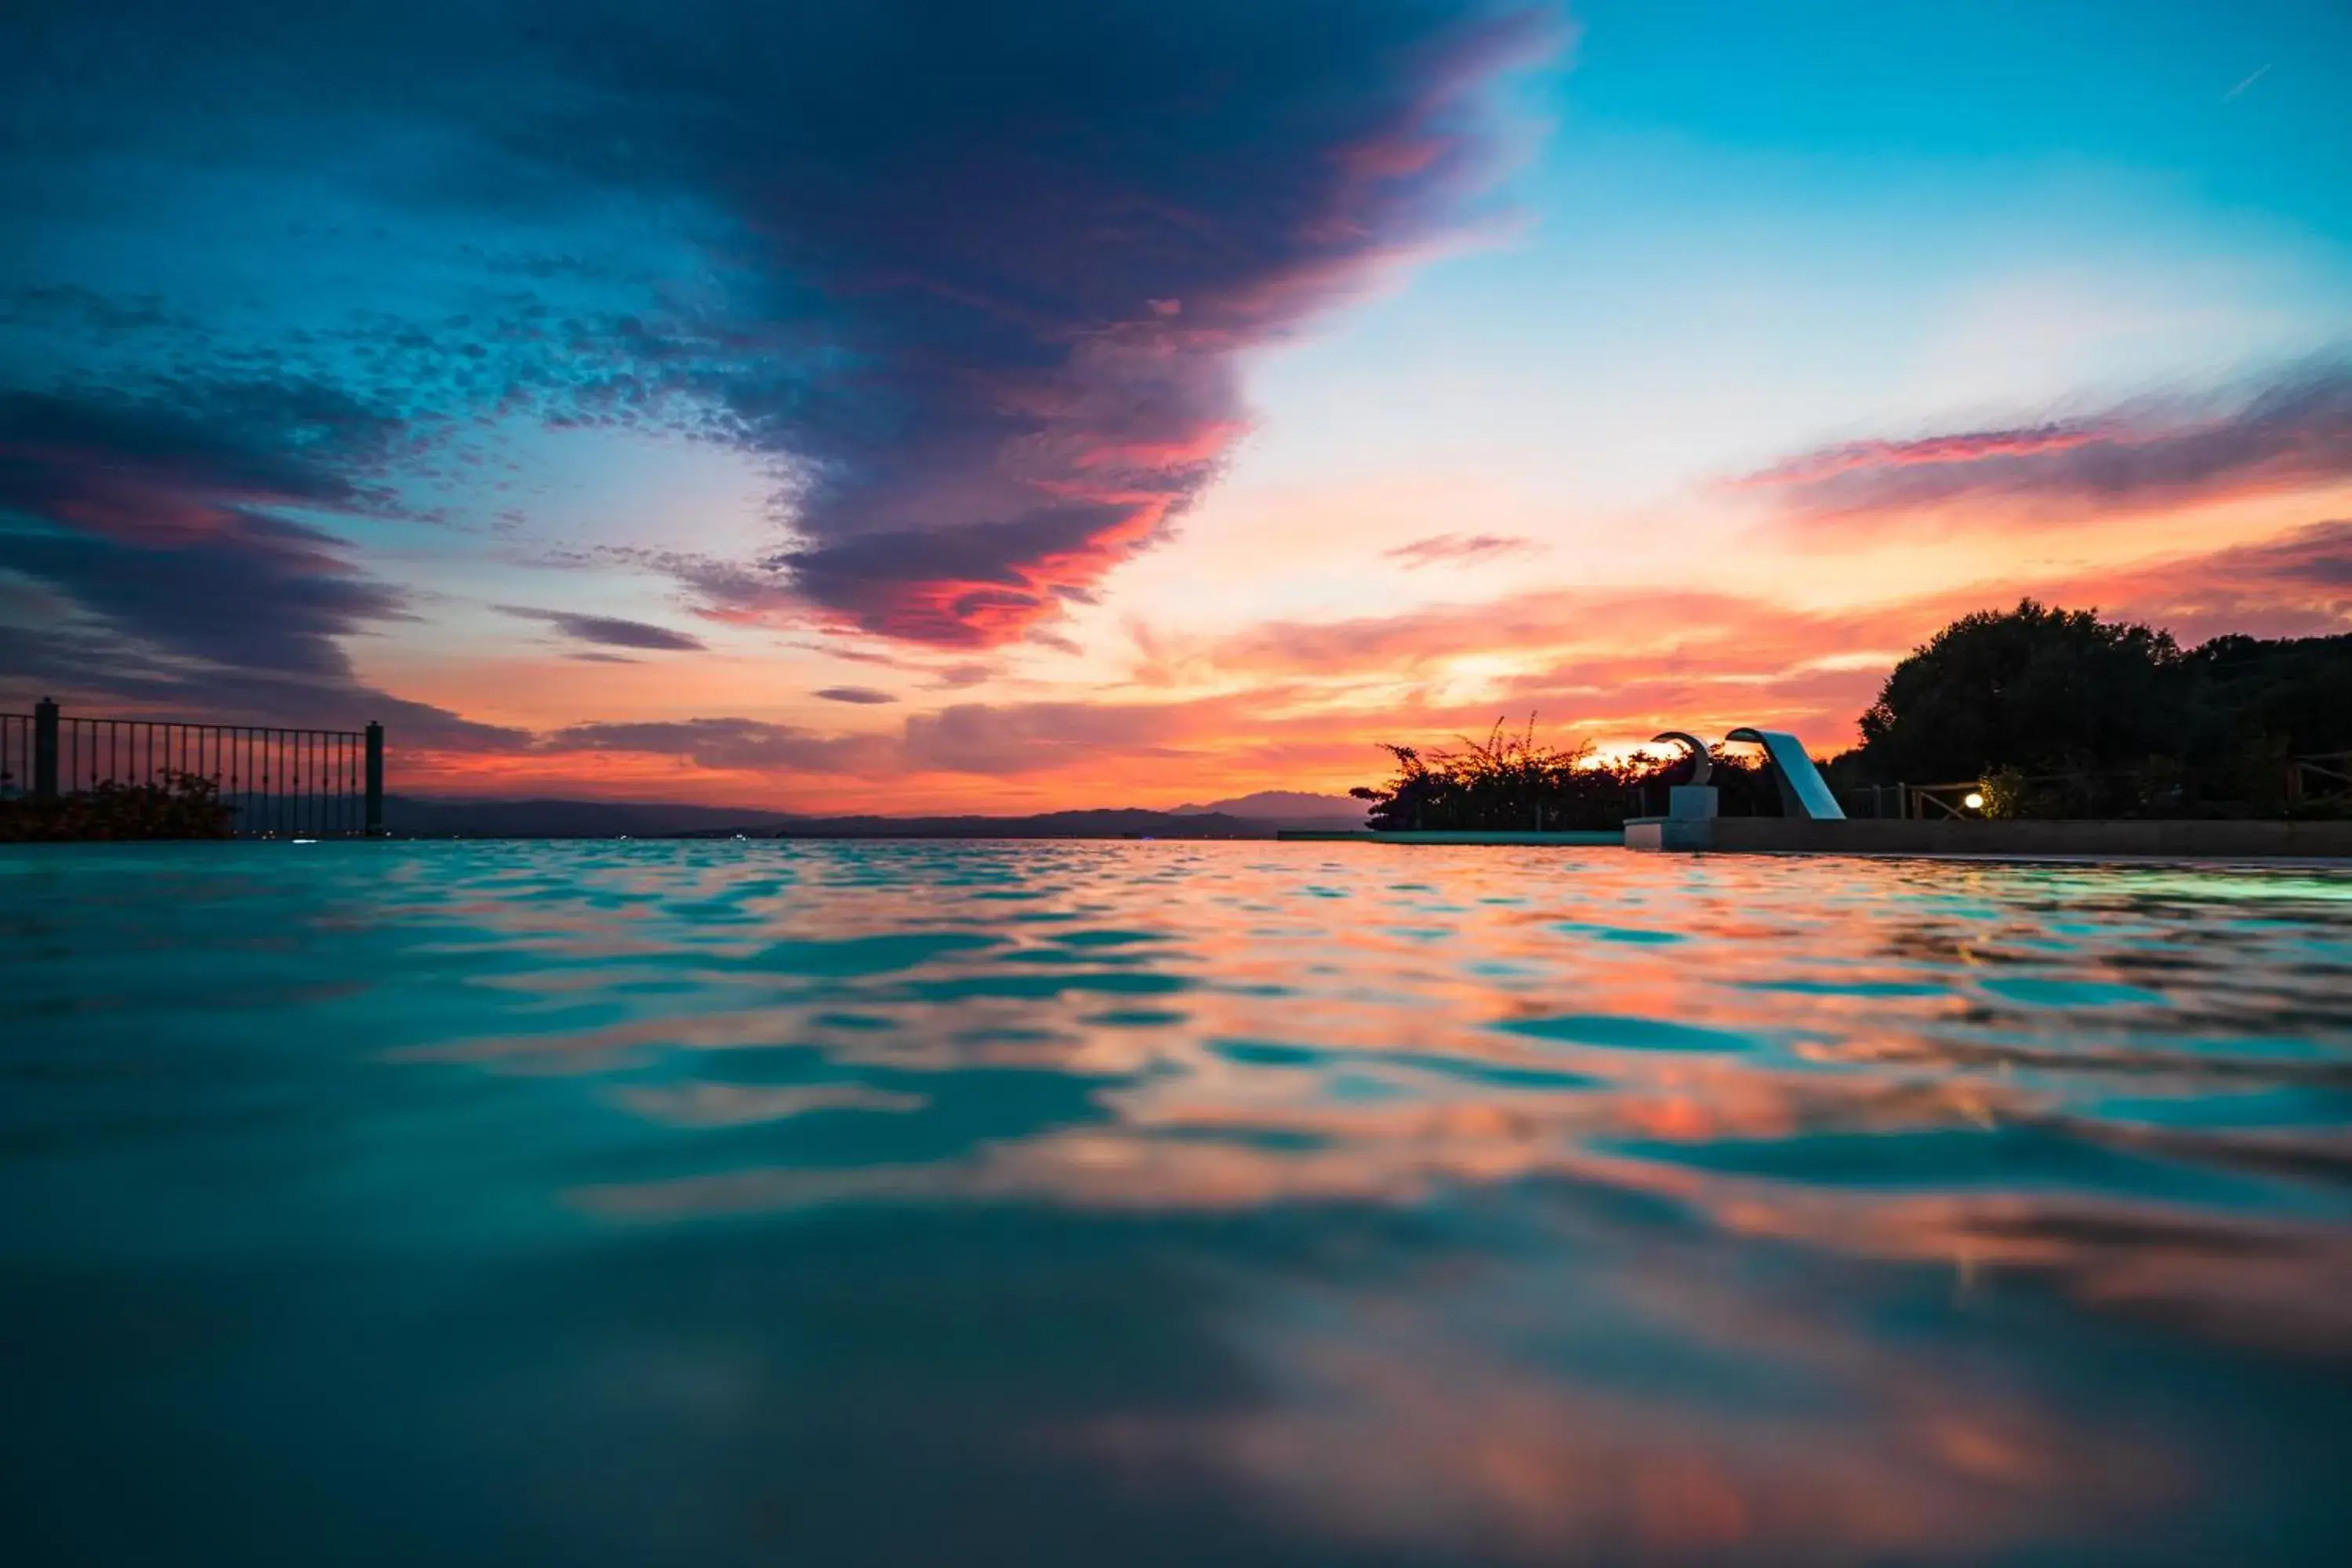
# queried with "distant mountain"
point(1129, 823)
point(413, 817)
point(1288, 807)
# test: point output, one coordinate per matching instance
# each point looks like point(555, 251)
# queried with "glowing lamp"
point(1973, 800)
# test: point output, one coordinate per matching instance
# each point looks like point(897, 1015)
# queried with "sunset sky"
point(1006, 406)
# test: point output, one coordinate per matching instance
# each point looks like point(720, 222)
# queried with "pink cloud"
point(2294, 431)
point(1459, 549)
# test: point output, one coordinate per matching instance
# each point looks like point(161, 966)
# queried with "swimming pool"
point(755, 1202)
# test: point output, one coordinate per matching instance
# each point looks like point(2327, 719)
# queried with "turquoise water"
point(752, 1202)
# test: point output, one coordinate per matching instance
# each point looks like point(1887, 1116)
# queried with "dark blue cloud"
point(150, 572)
point(172, 459)
point(610, 631)
point(1040, 239)
point(244, 624)
point(262, 594)
point(972, 279)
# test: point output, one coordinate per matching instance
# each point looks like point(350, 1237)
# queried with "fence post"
point(375, 780)
point(45, 748)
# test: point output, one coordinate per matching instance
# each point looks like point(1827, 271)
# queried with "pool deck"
point(2169, 840)
point(2101, 839)
point(1328, 836)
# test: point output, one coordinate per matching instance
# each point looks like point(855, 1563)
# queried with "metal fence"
point(1892, 800)
point(279, 782)
point(2270, 786)
point(2327, 776)
point(16, 756)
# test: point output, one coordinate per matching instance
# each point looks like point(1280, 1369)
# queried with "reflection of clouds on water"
point(1893, 1210)
point(1903, 1061)
point(2282, 1284)
point(1529, 1405)
point(1906, 1061)
point(733, 1104)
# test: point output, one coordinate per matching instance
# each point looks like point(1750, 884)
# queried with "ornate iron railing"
point(279, 782)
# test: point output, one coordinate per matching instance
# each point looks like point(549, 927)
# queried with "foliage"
point(2006, 793)
point(2061, 714)
point(175, 805)
point(2054, 712)
point(2039, 689)
point(1515, 783)
point(2295, 692)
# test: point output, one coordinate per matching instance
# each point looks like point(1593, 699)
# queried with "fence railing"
point(2297, 780)
point(2322, 778)
point(279, 782)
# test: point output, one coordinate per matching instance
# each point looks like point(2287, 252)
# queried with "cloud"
point(2293, 432)
point(2244, 82)
point(143, 514)
point(837, 648)
point(983, 739)
point(2298, 585)
point(1000, 739)
point(1040, 249)
point(1659, 626)
point(257, 594)
point(974, 287)
point(158, 581)
point(859, 694)
point(1458, 549)
point(610, 631)
point(961, 676)
point(1618, 661)
point(73, 308)
point(735, 744)
point(1607, 663)
point(185, 460)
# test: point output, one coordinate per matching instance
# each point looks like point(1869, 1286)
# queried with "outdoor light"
point(1973, 800)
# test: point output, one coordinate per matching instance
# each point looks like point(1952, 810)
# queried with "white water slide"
point(1803, 791)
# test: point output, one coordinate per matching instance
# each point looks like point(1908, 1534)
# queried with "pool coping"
point(2094, 840)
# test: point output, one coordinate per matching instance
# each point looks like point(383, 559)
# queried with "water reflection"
point(1244, 1201)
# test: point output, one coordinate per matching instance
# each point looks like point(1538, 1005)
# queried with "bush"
point(1515, 783)
point(176, 805)
point(2006, 794)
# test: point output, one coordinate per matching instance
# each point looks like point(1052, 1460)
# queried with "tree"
point(2294, 693)
point(2032, 689)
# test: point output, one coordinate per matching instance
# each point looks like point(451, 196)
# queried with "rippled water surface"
point(735, 1203)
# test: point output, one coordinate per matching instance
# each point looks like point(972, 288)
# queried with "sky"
point(922, 405)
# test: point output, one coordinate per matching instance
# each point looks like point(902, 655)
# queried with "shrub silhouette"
point(174, 806)
point(1515, 783)
point(2061, 714)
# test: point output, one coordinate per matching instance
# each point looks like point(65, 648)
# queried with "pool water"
point(760, 1202)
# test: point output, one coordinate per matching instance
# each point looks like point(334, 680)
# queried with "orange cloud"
point(1300, 704)
point(2296, 585)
